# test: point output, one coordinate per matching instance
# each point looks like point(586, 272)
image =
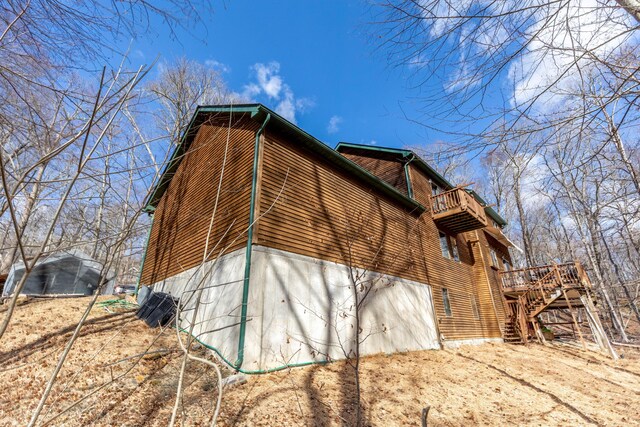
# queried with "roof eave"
point(258, 112)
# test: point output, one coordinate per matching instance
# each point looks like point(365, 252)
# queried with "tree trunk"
point(631, 6)
point(24, 219)
point(523, 224)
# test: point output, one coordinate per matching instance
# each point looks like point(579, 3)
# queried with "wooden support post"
point(539, 334)
point(573, 316)
point(523, 319)
point(597, 329)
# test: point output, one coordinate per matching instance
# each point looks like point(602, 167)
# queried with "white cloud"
point(562, 40)
point(217, 65)
point(334, 124)
point(555, 56)
point(287, 106)
point(270, 84)
point(268, 78)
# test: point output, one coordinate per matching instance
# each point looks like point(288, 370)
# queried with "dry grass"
point(489, 384)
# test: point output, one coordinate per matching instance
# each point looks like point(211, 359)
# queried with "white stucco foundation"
point(217, 322)
point(301, 309)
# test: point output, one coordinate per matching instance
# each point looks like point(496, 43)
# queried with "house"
point(277, 229)
point(62, 273)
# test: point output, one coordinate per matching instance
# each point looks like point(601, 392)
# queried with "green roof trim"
point(489, 210)
point(403, 153)
point(183, 147)
point(431, 172)
point(258, 112)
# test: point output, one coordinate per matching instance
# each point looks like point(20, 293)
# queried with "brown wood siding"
point(182, 217)
point(330, 215)
point(488, 242)
point(390, 171)
point(312, 208)
point(460, 278)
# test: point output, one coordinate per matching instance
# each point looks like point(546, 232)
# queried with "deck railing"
point(456, 200)
point(544, 277)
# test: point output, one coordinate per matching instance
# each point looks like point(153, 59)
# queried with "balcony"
point(544, 278)
point(458, 211)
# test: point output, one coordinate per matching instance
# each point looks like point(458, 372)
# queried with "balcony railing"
point(545, 277)
point(458, 211)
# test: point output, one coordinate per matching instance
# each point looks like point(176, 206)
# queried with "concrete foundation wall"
point(302, 310)
point(217, 322)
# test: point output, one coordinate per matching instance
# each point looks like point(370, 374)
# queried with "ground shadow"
point(535, 388)
point(106, 322)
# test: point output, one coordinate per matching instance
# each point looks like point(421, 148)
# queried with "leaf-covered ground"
point(107, 382)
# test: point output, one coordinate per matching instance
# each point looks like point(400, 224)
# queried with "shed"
point(66, 273)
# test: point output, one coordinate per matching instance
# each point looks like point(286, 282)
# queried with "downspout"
point(247, 257)
point(144, 256)
point(407, 177)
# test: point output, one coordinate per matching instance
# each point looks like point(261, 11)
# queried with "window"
point(454, 248)
point(449, 246)
point(506, 264)
point(446, 303)
point(474, 307)
point(444, 245)
point(494, 258)
point(435, 190)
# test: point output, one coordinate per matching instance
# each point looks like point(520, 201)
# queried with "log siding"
point(309, 206)
point(179, 232)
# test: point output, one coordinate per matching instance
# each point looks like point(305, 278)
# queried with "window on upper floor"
point(454, 248)
point(446, 303)
point(449, 246)
point(506, 264)
point(494, 258)
point(444, 244)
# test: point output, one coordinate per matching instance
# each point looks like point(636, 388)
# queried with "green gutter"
point(257, 111)
point(247, 265)
point(144, 256)
point(439, 179)
point(407, 177)
point(255, 371)
point(488, 209)
point(404, 153)
point(433, 174)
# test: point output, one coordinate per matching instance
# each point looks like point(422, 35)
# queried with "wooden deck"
point(458, 211)
point(530, 291)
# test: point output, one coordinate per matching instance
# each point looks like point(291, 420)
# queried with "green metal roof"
point(258, 112)
point(431, 173)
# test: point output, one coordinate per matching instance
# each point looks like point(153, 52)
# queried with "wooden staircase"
point(510, 332)
point(531, 291)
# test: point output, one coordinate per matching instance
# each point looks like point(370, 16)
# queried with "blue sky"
point(315, 54)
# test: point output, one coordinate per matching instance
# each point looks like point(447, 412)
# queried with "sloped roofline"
point(440, 180)
point(258, 112)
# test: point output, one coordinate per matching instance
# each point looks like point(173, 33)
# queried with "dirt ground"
point(107, 382)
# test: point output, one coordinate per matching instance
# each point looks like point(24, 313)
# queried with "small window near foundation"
point(446, 302)
point(474, 308)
